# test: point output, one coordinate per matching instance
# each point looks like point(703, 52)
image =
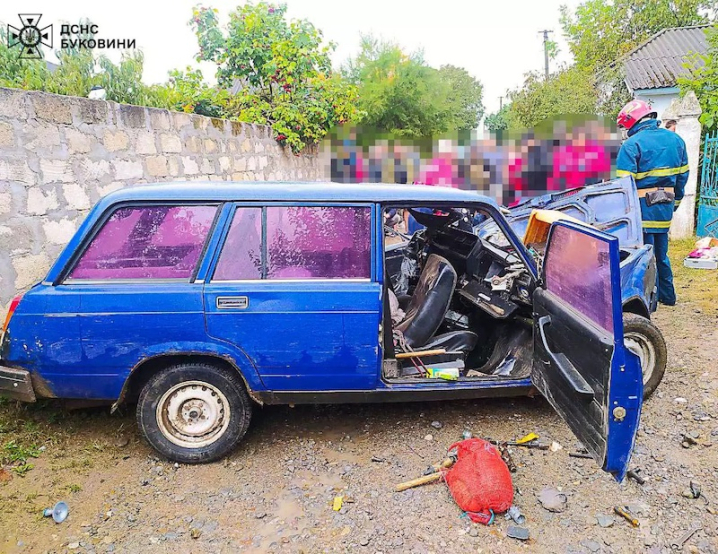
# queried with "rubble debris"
point(633, 474)
point(553, 500)
point(605, 520)
point(515, 514)
point(515, 532)
point(338, 502)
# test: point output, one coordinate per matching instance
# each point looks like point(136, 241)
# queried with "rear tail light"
point(11, 310)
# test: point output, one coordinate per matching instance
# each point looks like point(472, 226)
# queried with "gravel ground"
point(275, 492)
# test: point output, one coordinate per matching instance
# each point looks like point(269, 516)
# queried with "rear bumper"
point(16, 384)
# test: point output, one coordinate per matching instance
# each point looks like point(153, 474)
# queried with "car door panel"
point(581, 365)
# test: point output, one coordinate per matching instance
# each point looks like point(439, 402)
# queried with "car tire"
point(194, 413)
point(645, 340)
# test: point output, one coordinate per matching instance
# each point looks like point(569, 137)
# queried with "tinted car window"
point(241, 256)
point(149, 242)
point(318, 242)
point(578, 270)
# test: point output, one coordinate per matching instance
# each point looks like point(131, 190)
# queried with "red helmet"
point(633, 112)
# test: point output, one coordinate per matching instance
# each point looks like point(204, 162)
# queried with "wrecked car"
point(198, 301)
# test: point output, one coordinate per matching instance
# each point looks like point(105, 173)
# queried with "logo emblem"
point(30, 36)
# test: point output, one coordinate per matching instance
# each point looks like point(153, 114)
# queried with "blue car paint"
point(625, 388)
point(82, 341)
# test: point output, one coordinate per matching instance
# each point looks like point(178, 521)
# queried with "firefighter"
point(657, 160)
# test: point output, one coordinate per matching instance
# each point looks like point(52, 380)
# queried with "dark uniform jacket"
point(656, 158)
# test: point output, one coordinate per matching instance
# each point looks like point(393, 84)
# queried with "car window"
point(318, 242)
point(578, 270)
point(148, 242)
point(241, 256)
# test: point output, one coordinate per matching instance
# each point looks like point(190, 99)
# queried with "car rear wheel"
point(194, 413)
point(646, 341)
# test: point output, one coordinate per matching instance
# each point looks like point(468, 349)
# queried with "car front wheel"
point(194, 413)
point(646, 341)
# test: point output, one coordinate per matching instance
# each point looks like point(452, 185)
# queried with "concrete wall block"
point(159, 119)
point(7, 135)
point(59, 232)
point(134, 117)
point(56, 171)
point(194, 144)
point(128, 169)
point(104, 190)
point(40, 136)
point(225, 164)
point(75, 196)
point(252, 164)
point(39, 202)
point(180, 120)
point(12, 103)
point(189, 165)
point(79, 142)
point(51, 107)
point(15, 238)
point(240, 164)
point(174, 164)
point(157, 166)
point(170, 143)
point(16, 170)
point(93, 111)
point(90, 170)
point(6, 204)
point(115, 141)
point(210, 146)
point(207, 166)
point(29, 269)
point(145, 142)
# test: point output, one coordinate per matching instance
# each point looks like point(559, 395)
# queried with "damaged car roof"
point(294, 191)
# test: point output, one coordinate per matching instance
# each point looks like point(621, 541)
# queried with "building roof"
point(658, 62)
point(319, 191)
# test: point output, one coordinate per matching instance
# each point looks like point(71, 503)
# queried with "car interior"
point(458, 300)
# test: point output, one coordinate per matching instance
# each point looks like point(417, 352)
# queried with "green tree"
point(465, 95)
point(498, 121)
point(599, 32)
point(279, 69)
point(400, 94)
point(704, 82)
point(570, 91)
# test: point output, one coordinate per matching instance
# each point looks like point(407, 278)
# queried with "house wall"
point(659, 99)
point(60, 154)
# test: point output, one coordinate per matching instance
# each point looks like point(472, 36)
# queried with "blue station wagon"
point(197, 301)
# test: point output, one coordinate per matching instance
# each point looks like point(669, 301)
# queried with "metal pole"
point(545, 49)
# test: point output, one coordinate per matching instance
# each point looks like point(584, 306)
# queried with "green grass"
point(697, 286)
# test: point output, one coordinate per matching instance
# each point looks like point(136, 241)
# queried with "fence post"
point(689, 129)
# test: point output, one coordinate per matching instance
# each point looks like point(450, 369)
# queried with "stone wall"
point(60, 154)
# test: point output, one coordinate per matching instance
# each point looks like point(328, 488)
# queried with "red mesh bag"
point(479, 481)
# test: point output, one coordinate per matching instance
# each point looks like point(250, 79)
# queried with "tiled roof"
point(658, 62)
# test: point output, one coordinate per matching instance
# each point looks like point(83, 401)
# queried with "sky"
point(496, 41)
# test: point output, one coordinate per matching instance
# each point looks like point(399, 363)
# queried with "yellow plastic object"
point(540, 222)
point(338, 501)
point(528, 438)
point(446, 374)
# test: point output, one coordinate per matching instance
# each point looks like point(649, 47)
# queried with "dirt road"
point(275, 492)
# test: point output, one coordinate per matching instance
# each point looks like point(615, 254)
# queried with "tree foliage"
point(600, 32)
point(279, 69)
point(704, 82)
point(499, 121)
point(401, 94)
point(568, 92)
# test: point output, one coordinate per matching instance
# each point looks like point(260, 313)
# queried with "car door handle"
point(569, 372)
point(232, 302)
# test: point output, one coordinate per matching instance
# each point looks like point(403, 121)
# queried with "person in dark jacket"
point(658, 161)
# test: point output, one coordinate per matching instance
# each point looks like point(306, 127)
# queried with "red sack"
point(479, 481)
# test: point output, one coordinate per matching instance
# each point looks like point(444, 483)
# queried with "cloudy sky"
point(496, 41)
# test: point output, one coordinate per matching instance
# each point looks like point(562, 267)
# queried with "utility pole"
point(501, 103)
point(545, 48)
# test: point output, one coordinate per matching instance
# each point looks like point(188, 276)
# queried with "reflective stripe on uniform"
point(663, 172)
point(677, 203)
point(656, 224)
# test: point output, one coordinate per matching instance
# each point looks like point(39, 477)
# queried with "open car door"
point(581, 365)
